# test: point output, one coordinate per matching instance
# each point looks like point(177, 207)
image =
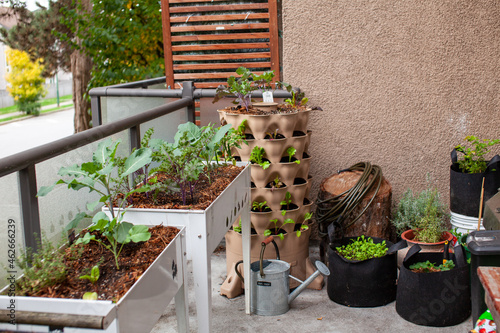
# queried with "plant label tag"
point(267, 97)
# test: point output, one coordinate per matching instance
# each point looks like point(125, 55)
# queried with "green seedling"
point(362, 249)
point(257, 156)
point(93, 276)
point(259, 206)
point(276, 232)
point(304, 226)
point(291, 152)
point(287, 201)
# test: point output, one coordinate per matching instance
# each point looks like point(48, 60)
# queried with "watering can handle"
point(268, 240)
point(238, 272)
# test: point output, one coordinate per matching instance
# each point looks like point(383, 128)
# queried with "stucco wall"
point(401, 82)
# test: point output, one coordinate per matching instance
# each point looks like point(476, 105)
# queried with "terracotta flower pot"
point(408, 235)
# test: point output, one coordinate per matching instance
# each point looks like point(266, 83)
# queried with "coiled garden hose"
point(335, 209)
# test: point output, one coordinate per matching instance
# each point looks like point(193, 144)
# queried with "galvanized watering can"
point(270, 283)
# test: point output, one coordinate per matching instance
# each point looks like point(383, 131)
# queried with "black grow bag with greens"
point(465, 188)
point(366, 283)
point(434, 299)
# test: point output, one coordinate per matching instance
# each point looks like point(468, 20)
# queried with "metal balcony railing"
point(24, 162)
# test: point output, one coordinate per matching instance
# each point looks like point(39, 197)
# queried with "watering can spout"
point(320, 269)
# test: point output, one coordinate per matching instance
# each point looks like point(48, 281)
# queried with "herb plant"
point(473, 160)
point(97, 176)
point(93, 276)
point(42, 269)
point(238, 227)
point(273, 135)
point(191, 155)
point(428, 267)
point(362, 249)
point(277, 183)
point(424, 213)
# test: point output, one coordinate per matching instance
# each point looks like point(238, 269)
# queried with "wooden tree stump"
point(375, 221)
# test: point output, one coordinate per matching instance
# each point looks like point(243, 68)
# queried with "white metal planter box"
point(137, 311)
point(205, 229)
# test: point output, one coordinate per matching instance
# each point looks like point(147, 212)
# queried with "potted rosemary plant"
point(421, 219)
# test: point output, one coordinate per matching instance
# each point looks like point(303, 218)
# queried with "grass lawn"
point(44, 102)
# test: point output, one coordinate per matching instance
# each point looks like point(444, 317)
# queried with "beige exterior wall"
point(401, 82)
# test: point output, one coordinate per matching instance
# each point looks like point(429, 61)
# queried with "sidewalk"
point(311, 311)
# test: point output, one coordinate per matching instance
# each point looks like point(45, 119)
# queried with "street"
point(28, 133)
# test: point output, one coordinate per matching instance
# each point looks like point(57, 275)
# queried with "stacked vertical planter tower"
point(278, 142)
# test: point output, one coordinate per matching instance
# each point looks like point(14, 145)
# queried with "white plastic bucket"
point(464, 223)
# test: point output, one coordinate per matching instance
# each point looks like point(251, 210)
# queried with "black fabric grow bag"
point(367, 283)
point(434, 299)
point(465, 188)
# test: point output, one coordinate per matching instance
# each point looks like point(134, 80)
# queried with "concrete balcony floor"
point(311, 311)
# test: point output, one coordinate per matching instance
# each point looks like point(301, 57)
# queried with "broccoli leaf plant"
point(241, 87)
point(104, 175)
point(192, 153)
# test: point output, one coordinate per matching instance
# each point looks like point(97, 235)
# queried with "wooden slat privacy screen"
point(205, 41)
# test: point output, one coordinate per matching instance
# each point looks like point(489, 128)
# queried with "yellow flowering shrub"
point(26, 81)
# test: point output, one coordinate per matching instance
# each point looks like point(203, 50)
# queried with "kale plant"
point(192, 153)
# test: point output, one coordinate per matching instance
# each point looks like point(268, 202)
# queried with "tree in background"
point(26, 81)
point(102, 42)
point(44, 34)
point(123, 38)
